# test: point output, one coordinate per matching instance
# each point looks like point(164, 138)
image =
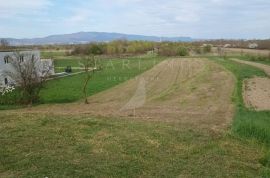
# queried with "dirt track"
point(193, 91)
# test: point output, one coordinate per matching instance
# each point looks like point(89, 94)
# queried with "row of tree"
point(123, 47)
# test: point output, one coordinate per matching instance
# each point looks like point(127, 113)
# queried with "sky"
point(207, 19)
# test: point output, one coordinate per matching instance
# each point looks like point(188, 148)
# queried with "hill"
point(86, 37)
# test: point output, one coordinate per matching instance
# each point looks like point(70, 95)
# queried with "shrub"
point(9, 97)
point(207, 49)
point(183, 51)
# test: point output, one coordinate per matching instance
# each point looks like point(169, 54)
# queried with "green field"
point(113, 72)
point(69, 89)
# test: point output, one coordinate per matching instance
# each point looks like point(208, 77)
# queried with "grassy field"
point(80, 146)
point(263, 60)
point(114, 72)
point(247, 123)
point(53, 54)
point(49, 145)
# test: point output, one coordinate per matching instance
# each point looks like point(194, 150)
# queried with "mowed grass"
point(247, 123)
point(113, 72)
point(80, 146)
point(53, 54)
point(85, 146)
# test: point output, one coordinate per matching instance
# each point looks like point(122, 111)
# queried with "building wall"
point(6, 67)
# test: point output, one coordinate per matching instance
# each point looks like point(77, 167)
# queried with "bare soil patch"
point(193, 91)
point(257, 93)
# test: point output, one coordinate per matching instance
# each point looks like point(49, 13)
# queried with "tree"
point(4, 43)
point(90, 65)
point(95, 48)
point(29, 76)
point(182, 51)
point(207, 49)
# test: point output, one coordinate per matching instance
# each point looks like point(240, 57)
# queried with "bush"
point(10, 98)
point(95, 49)
point(183, 51)
point(207, 49)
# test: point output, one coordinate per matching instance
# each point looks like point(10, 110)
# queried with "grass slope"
point(55, 146)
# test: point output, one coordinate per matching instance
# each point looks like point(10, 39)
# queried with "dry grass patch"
point(190, 91)
point(257, 93)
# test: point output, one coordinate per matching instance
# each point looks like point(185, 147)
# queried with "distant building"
point(227, 46)
point(6, 58)
point(253, 46)
point(204, 45)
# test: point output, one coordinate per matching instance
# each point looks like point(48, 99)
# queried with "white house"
point(227, 46)
point(6, 58)
point(253, 45)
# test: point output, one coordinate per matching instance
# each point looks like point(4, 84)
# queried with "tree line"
point(123, 47)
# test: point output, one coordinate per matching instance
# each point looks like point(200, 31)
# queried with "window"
point(6, 81)
point(21, 58)
point(6, 59)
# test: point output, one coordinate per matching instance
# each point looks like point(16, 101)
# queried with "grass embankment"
point(80, 146)
point(247, 122)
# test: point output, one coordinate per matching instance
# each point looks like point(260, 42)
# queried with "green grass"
point(114, 72)
point(259, 59)
point(69, 89)
point(52, 54)
point(247, 122)
point(85, 146)
point(77, 146)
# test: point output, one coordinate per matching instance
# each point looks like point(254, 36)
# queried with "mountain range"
point(87, 37)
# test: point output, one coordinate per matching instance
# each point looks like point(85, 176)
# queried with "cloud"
point(14, 8)
point(196, 18)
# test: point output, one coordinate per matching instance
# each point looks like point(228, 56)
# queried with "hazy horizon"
point(211, 19)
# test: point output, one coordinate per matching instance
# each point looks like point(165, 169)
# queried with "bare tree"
point(4, 43)
point(90, 64)
point(29, 74)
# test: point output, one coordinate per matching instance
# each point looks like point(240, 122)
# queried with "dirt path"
point(264, 67)
point(193, 91)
